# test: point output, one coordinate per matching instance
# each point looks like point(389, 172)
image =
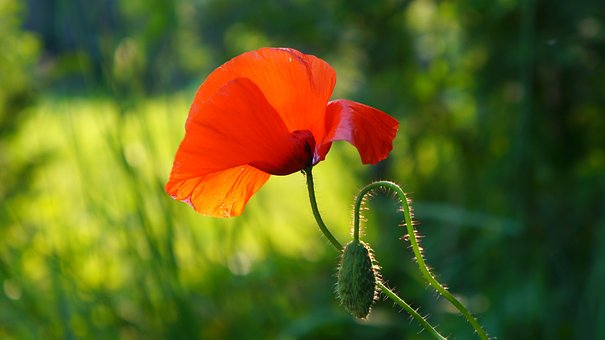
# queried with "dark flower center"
point(295, 156)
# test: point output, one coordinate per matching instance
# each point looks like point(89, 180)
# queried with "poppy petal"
point(370, 130)
point(297, 85)
point(220, 194)
point(235, 127)
point(238, 126)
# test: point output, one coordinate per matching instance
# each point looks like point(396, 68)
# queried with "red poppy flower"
point(263, 113)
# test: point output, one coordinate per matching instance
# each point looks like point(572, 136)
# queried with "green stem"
point(391, 294)
point(416, 249)
point(388, 292)
point(320, 222)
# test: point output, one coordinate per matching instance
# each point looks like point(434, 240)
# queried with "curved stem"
point(320, 222)
point(388, 292)
point(358, 201)
point(416, 249)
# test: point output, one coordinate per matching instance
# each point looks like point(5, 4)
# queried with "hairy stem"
point(388, 292)
point(393, 296)
point(416, 249)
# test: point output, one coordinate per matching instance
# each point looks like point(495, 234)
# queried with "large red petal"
point(297, 85)
point(238, 126)
point(235, 127)
point(370, 130)
point(220, 194)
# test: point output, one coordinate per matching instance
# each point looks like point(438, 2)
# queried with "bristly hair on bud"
point(358, 275)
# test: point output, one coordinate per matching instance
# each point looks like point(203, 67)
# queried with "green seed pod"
point(357, 277)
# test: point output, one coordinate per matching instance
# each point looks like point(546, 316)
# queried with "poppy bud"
point(357, 277)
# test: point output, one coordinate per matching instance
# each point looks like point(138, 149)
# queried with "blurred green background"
point(501, 146)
